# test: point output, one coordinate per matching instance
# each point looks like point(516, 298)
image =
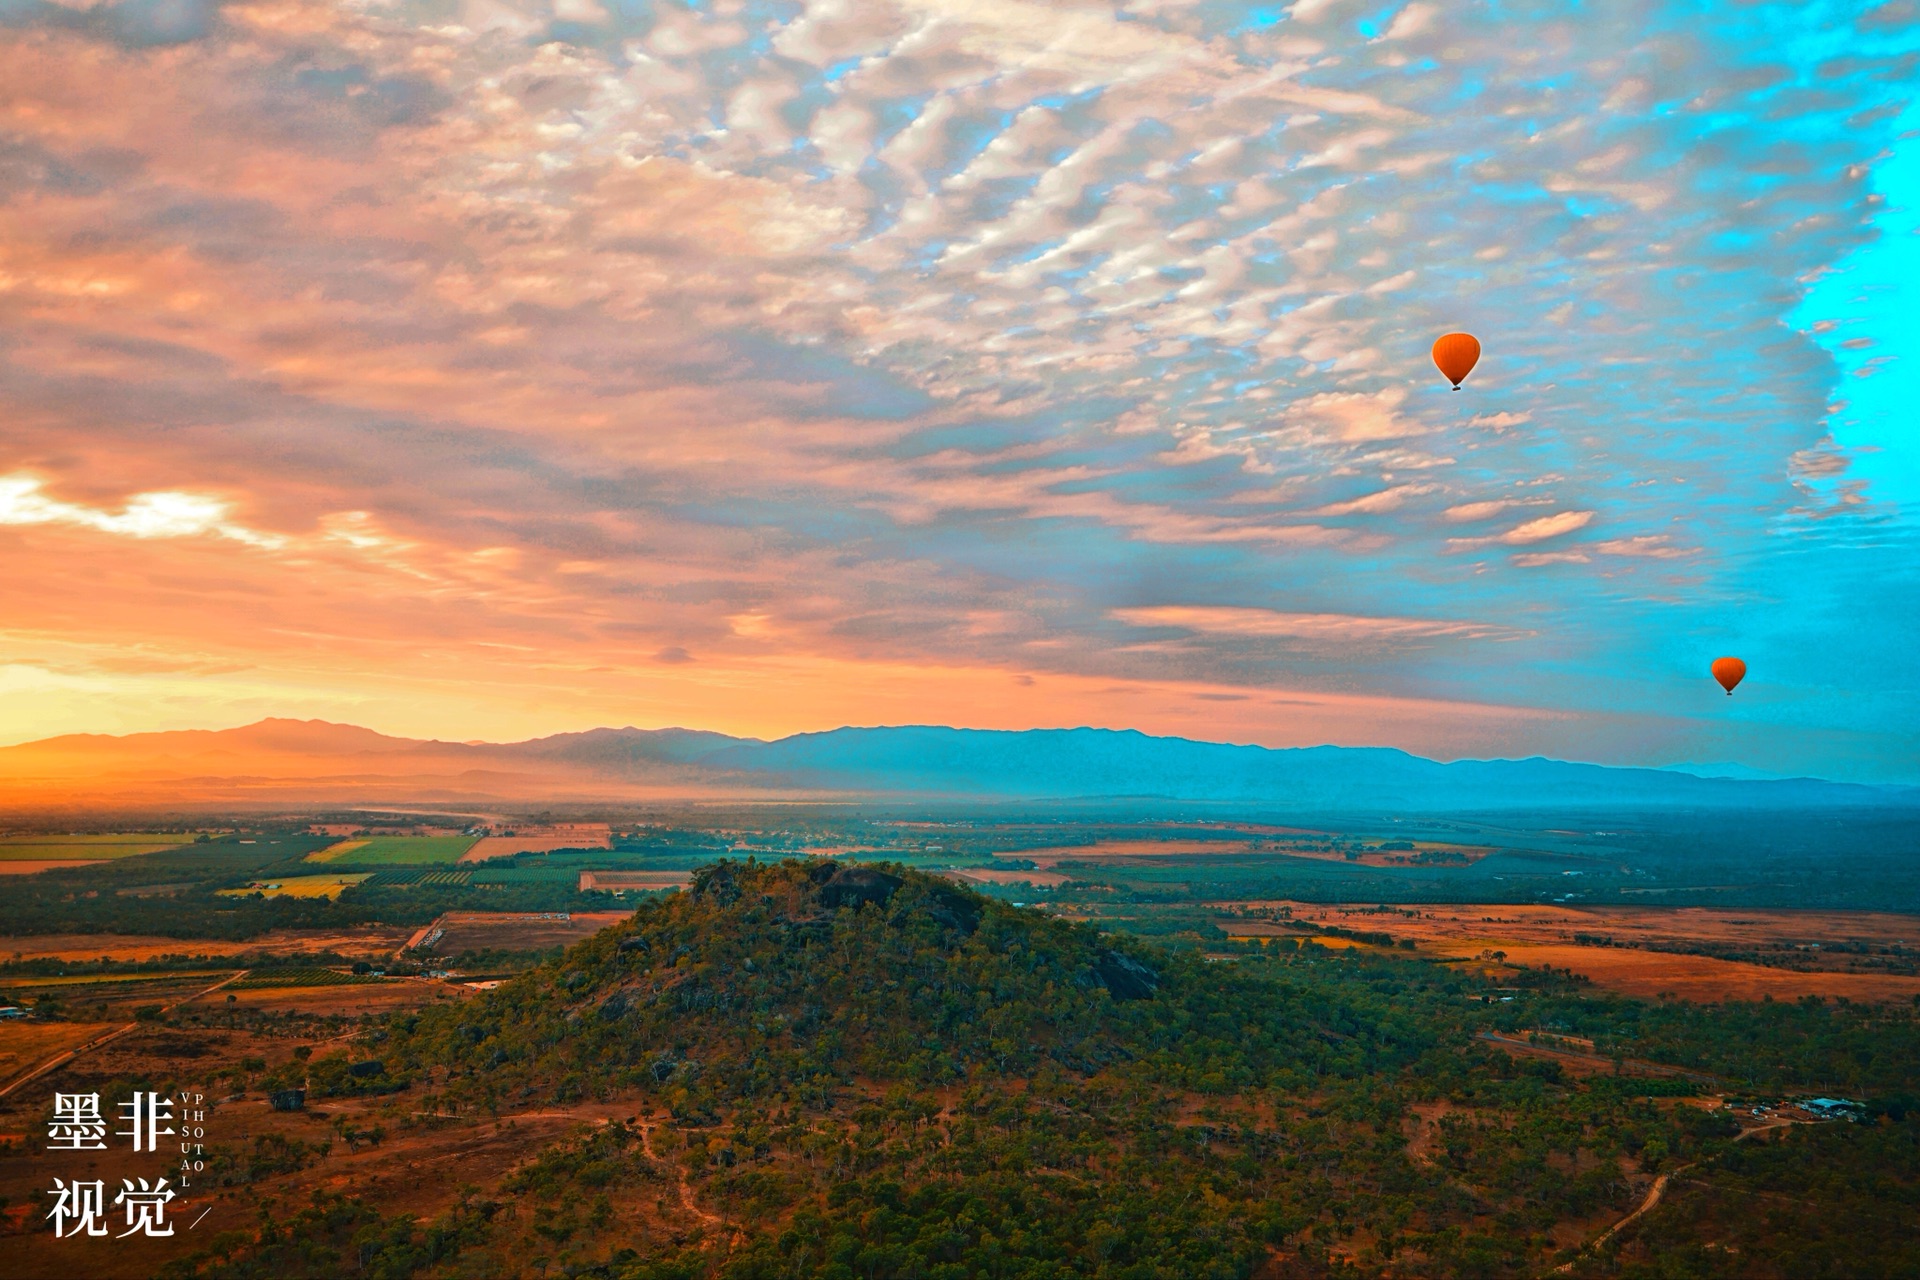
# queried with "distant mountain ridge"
point(1125, 763)
point(279, 761)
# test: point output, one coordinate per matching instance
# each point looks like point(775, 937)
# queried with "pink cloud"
point(1334, 628)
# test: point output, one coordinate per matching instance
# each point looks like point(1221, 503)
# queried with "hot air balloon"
point(1729, 672)
point(1456, 354)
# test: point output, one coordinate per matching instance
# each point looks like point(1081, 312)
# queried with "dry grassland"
point(368, 941)
point(1543, 936)
point(25, 1045)
point(348, 1000)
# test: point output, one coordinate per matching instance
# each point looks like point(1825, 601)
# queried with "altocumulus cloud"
point(613, 323)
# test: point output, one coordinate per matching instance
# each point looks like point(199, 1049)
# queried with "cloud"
point(1320, 627)
point(1648, 546)
point(1415, 19)
point(1539, 529)
point(145, 515)
point(1469, 511)
point(1378, 501)
point(1545, 527)
point(1351, 417)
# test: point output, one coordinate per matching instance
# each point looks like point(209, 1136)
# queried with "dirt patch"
point(514, 931)
point(1424, 1125)
point(1007, 875)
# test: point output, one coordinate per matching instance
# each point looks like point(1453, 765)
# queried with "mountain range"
point(278, 762)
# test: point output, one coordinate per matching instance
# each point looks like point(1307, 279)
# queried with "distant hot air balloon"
point(1729, 672)
point(1456, 354)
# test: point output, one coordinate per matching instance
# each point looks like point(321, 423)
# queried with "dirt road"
point(62, 1058)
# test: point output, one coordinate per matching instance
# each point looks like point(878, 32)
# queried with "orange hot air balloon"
point(1456, 354)
point(1729, 672)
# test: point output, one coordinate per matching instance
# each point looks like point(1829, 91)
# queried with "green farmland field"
point(44, 848)
point(395, 851)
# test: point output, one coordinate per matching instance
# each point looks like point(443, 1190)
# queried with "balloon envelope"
point(1456, 354)
point(1729, 672)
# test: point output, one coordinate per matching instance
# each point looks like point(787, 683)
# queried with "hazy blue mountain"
point(1105, 763)
point(1725, 769)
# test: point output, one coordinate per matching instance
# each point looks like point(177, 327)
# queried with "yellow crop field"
point(333, 851)
point(300, 886)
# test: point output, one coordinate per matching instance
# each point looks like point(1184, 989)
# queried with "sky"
point(480, 370)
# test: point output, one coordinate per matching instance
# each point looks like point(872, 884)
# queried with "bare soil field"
point(648, 880)
point(487, 930)
point(585, 835)
point(32, 866)
point(1007, 875)
point(367, 940)
point(1103, 850)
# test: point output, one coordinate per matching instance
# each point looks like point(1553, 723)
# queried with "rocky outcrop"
point(1124, 977)
point(857, 886)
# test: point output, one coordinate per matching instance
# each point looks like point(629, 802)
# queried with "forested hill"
point(768, 977)
point(857, 1057)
